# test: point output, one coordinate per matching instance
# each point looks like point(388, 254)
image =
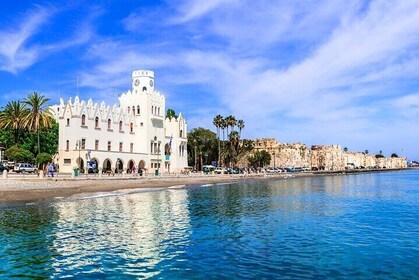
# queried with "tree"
point(170, 113)
point(202, 142)
point(240, 125)
point(18, 154)
point(43, 158)
point(218, 122)
point(345, 149)
point(12, 116)
point(394, 155)
point(39, 114)
point(379, 156)
point(366, 152)
point(259, 159)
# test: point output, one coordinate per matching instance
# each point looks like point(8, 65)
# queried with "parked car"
point(91, 170)
point(219, 170)
point(24, 167)
point(271, 170)
point(2, 168)
point(8, 165)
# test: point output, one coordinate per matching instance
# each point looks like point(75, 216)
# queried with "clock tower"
point(142, 81)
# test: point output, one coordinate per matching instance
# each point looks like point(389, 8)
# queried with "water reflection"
point(319, 227)
point(139, 229)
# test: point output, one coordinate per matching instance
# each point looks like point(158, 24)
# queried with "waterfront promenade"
point(29, 187)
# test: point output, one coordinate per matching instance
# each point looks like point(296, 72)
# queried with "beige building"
point(321, 157)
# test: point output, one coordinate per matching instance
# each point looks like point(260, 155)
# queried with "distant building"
point(321, 157)
point(134, 132)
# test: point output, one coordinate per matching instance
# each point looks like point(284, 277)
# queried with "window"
point(109, 146)
point(97, 122)
point(158, 112)
point(120, 146)
point(129, 110)
point(96, 144)
point(83, 144)
point(133, 110)
point(109, 123)
point(144, 89)
point(67, 161)
point(131, 127)
point(151, 147)
point(138, 109)
point(83, 120)
point(152, 110)
point(131, 148)
point(120, 125)
point(68, 122)
point(67, 145)
point(181, 133)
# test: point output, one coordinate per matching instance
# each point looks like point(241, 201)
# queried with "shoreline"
point(27, 190)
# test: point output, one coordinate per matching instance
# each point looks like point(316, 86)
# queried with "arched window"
point(181, 133)
point(144, 89)
point(131, 127)
point(158, 112)
point(152, 110)
point(83, 120)
point(133, 110)
point(67, 145)
point(97, 122)
point(109, 123)
point(138, 109)
point(120, 125)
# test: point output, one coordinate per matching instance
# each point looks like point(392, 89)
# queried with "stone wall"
point(321, 157)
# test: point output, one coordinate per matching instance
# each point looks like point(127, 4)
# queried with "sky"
point(315, 72)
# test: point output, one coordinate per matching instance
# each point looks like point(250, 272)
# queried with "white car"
point(24, 167)
point(219, 170)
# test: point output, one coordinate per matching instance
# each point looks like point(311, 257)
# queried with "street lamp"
point(78, 146)
point(158, 156)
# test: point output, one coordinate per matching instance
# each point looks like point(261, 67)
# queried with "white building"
point(134, 132)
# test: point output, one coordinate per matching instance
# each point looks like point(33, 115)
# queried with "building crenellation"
point(321, 157)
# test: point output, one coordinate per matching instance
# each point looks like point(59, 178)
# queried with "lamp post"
point(78, 146)
point(158, 156)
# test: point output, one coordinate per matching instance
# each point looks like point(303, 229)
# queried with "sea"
point(362, 226)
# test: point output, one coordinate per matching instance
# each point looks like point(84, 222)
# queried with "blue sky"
point(317, 72)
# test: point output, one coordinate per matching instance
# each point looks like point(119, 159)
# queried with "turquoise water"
point(341, 227)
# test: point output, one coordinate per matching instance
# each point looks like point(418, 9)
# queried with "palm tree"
point(12, 116)
point(345, 149)
point(218, 121)
point(39, 114)
point(231, 121)
point(223, 127)
point(240, 125)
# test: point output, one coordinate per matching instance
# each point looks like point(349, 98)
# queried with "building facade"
point(132, 135)
point(320, 157)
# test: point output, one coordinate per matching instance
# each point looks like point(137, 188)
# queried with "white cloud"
point(352, 57)
point(13, 53)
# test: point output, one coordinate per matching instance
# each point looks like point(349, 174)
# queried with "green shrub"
point(19, 154)
point(43, 158)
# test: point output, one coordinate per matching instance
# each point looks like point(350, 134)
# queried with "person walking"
point(51, 169)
